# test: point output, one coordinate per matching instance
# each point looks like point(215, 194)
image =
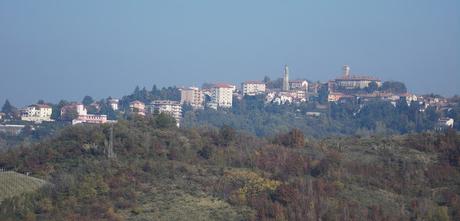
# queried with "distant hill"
point(14, 184)
point(162, 172)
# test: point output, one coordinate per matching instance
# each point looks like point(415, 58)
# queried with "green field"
point(14, 184)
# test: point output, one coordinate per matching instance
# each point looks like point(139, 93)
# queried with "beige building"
point(172, 108)
point(222, 96)
point(37, 113)
point(137, 107)
point(252, 88)
point(334, 96)
point(193, 96)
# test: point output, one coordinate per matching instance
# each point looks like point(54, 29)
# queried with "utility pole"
point(110, 152)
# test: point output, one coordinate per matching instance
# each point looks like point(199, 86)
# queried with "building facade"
point(222, 95)
point(298, 85)
point(79, 108)
point(193, 96)
point(37, 113)
point(90, 119)
point(252, 88)
point(173, 108)
point(350, 82)
point(113, 103)
point(137, 107)
point(356, 82)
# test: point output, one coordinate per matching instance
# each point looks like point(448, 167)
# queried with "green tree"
point(8, 108)
point(56, 114)
point(394, 87)
point(164, 120)
point(373, 86)
point(87, 100)
point(69, 115)
point(323, 93)
point(227, 135)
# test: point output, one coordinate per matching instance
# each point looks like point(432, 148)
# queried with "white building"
point(90, 119)
point(82, 114)
point(172, 108)
point(193, 96)
point(252, 88)
point(298, 85)
point(446, 122)
point(282, 97)
point(37, 113)
point(222, 95)
point(113, 103)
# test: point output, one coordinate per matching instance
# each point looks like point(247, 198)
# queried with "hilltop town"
point(174, 101)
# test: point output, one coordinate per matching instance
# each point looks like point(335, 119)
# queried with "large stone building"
point(37, 113)
point(172, 108)
point(351, 82)
point(222, 96)
point(252, 88)
point(193, 96)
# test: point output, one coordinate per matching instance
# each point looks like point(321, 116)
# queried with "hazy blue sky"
point(58, 49)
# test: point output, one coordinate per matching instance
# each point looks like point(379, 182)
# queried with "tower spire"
point(286, 78)
point(346, 71)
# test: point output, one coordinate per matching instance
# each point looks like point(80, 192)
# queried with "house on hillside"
point(137, 107)
point(37, 113)
point(252, 88)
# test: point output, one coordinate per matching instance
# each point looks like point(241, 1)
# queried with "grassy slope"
point(14, 184)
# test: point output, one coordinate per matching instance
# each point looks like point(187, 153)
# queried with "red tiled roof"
point(136, 101)
point(222, 85)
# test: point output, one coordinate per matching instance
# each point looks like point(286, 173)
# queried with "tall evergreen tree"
point(87, 100)
point(8, 108)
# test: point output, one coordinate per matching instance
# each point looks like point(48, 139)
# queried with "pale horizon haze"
point(55, 50)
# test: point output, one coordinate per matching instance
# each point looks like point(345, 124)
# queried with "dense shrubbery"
point(164, 173)
point(348, 118)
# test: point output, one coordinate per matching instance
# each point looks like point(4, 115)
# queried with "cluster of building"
point(79, 114)
point(172, 108)
point(346, 87)
point(37, 113)
point(221, 95)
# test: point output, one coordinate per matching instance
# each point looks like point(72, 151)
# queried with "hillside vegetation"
point(164, 173)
